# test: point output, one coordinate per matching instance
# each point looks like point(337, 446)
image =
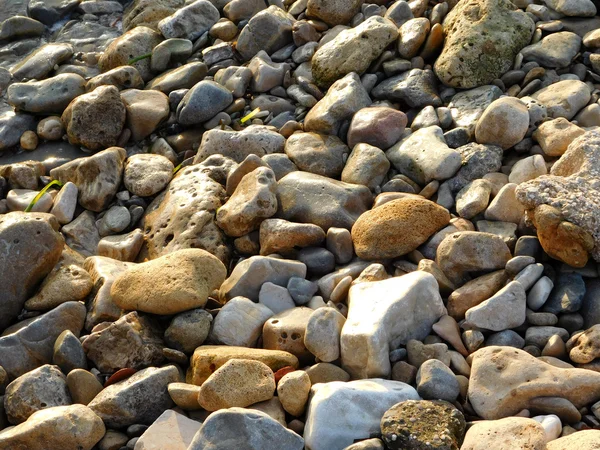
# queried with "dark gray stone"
point(203, 102)
point(567, 295)
point(477, 160)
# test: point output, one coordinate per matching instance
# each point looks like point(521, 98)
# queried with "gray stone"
point(50, 11)
point(202, 102)
point(12, 127)
point(68, 352)
point(188, 330)
point(435, 381)
point(556, 50)
point(477, 161)
point(415, 88)
point(567, 295)
point(239, 323)
point(191, 21)
point(46, 96)
point(269, 30)
point(41, 62)
point(317, 153)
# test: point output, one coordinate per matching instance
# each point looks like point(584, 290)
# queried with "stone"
point(208, 358)
point(317, 153)
point(527, 169)
point(477, 162)
point(249, 275)
point(293, 390)
point(97, 191)
point(171, 429)
point(20, 26)
point(133, 43)
point(235, 78)
point(436, 424)
point(47, 96)
point(190, 22)
point(352, 50)
point(281, 236)
point(95, 120)
point(237, 383)
point(378, 126)
point(170, 284)
point(564, 98)
point(567, 295)
point(149, 13)
point(389, 225)
point(496, 371)
point(123, 247)
point(38, 64)
point(253, 429)
point(581, 8)
point(266, 74)
point(132, 341)
point(505, 207)
point(239, 323)
point(269, 30)
point(285, 331)
point(413, 33)
point(237, 11)
point(237, 145)
point(322, 336)
point(73, 427)
point(435, 381)
point(424, 156)
point(465, 252)
point(275, 298)
point(363, 403)
point(416, 88)
point(83, 386)
point(123, 77)
point(333, 13)
point(188, 330)
point(554, 136)
point(345, 202)
point(25, 262)
point(584, 440)
point(503, 123)
point(44, 387)
point(141, 398)
point(473, 199)
point(556, 50)
point(366, 343)
point(19, 200)
point(505, 434)
point(202, 102)
point(65, 203)
point(68, 353)
point(504, 310)
point(82, 234)
point(345, 97)
point(507, 32)
point(146, 109)
point(583, 346)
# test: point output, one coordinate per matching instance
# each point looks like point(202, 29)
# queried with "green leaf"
point(41, 193)
point(139, 58)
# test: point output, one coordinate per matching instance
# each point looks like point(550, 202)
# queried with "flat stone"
point(564, 98)
point(191, 21)
point(317, 153)
point(171, 429)
point(503, 123)
point(47, 96)
point(281, 236)
point(416, 88)
point(504, 310)
point(505, 434)
point(239, 323)
point(554, 51)
point(41, 62)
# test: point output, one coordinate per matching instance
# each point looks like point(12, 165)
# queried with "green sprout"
point(139, 58)
point(249, 116)
point(41, 193)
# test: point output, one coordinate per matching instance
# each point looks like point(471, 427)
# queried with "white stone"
point(323, 331)
point(527, 169)
point(338, 412)
point(529, 275)
point(505, 310)
point(239, 323)
point(276, 298)
point(385, 314)
point(552, 426)
point(65, 203)
point(505, 207)
point(539, 293)
point(171, 431)
point(19, 200)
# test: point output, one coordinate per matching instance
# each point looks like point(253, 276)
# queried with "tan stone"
point(512, 433)
point(281, 236)
point(146, 109)
point(185, 395)
point(397, 228)
point(326, 373)
point(170, 284)
point(208, 358)
point(285, 331)
point(293, 390)
point(171, 431)
point(474, 292)
point(238, 382)
point(83, 386)
point(585, 347)
point(582, 440)
point(554, 136)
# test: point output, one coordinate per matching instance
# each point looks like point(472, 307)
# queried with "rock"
point(141, 398)
point(170, 284)
point(564, 98)
point(188, 330)
point(477, 161)
point(253, 201)
point(20, 26)
point(252, 429)
point(239, 323)
point(378, 126)
point(12, 127)
point(202, 102)
point(147, 174)
point(148, 13)
point(237, 383)
point(345, 97)
point(474, 292)
point(145, 111)
point(317, 153)
point(293, 390)
point(389, 225)
point(505, 207)
point(436, 424)
point(554, 136)
point(136, 42)
point(345, 202)
point(208, 358)
point(583, 347)
point(460, 64)
point(65, 203)
point(473, 199)
point(527, 169)
point(504, 310)
point(504, 123)
point(83, 386)
point(567, 295)
point(44, 387)
point(366, 165)
point(505, 434)
point(95, 193)
point(281, 236)
point(249, 275)
point(333, 13)
point(38, 64)
point(68, 353)
point(365, 344)
point(322, 336)
point(554, 51)
point(435, 381)
point(285, 331)
point(269, 30)
point(496, 371)
point(25, 262)
point(363, 402)
point(191, 21)
point(123, 77)
point(170, 429)
point(46, 96)
point(469, 251)
point(416, 88)
point(352, 50)
point(73, 427)
point(584, 440)
point(424, 156)
point(133, 341)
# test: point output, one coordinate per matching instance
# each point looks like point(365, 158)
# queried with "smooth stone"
point(68, 353)
point(583, 440)
point(145, 111)
point(83, 386)
point(65, 203)
point(239, 323)
point(188, 330)
point(293, 390)
point(474, 292)
point(269, 30)
point(285, 331)
point(322, 336)
point(47, 96)
point(123, 77)
point(276, 298)
point(435, 381)
point(38, 64)
point(317, 153)
point(202, 102)
point(529, 275)
point(567, 295)
point(503, 123)
point(281, 236)
point(378, 126)
point(505, 434)
point(506, 309)
point(556, 50)
point(416, 88)
point(171, 429)
point(505, 207)
point(123, 247)
point(564, 98)
point(190, 22)
point(539, 293)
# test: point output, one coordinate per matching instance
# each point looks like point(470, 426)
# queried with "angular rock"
point(239, 323)
point(504, 310)
point(191, 21)
point(415, 88)
point(269, 30)
point(203, 102)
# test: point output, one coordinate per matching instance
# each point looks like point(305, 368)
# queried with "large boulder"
point(482, 39)
point(32, 247)
point(385, 314)
point(504, 380)
point(340, 413)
